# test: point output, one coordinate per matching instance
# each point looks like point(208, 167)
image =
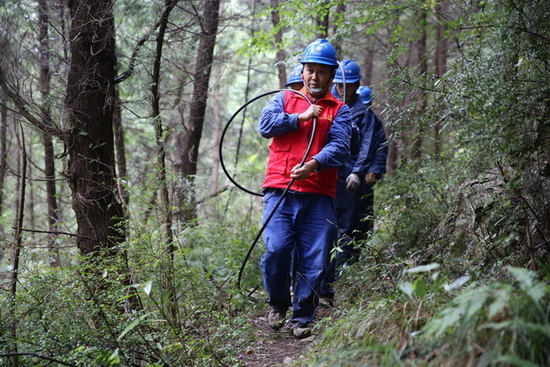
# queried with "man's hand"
point(311, 112)
point(371, 179)
point(352, 182)
point(301, 173)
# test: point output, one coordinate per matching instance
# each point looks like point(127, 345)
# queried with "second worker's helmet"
point(295, 75)
point(352, 72)
point(365, 93)
point(320, 51)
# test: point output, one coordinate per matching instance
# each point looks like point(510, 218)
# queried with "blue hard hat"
point(352, 72)
point(295, 75)
point(365, 93)
point(320, 51)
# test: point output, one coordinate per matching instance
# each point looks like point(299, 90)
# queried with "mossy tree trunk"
point(190, 140)
point(90, 98)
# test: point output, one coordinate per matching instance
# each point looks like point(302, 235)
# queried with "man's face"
point(317, 77)
point(351, 91)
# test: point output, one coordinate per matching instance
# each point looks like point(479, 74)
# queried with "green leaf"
point(502, 298)
point(253, 158)
point(512, 360)
point(131, 326)
point(459, 282)
point(114, 358)
point(524, 277)
point(147, 287)
point(420, 287)
point(422, 268)
point(527, 282)
point(407, 288)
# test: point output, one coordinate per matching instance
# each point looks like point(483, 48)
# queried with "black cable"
point(222, 162)
point(310, 143)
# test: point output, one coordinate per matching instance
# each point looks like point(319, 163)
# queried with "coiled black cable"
point(266, 221)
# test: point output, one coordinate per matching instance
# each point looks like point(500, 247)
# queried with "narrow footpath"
point(276, 348)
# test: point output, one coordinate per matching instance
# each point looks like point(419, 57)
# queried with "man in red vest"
point(305, 216)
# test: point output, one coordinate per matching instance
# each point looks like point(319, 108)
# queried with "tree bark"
point(422, 58)
point(368, 66)
point(3, 154)
point(90, 102)
point(338, 17)
point(168, 273)
point(322, 19)
point(190, 140)
point(120, 150)
point(17, 242)
point(49, 155)
point(393, 133)
point(441, 52)
point(281, 54)
point(214, 176)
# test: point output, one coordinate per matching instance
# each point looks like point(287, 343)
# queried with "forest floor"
point(276, 348)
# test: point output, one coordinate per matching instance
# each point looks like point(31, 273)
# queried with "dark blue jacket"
point(369, 146)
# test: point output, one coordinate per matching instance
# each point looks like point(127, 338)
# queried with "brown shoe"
point(276, 319)
point(301, 332)
point(326, 302)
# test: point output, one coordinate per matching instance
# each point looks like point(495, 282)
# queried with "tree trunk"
point(441, 52)
point(367, 71)
point(422, 59)
point(3, 155)
point(168, 273)
point(90, 103)
point(190, 140)
point(338, 17)
point(214, 176)
point(322, 19)
point(281, 54)
point(49, 155)
point(17, 243)
point(393, 133)
point(120, 150)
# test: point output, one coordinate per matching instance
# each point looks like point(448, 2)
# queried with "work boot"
point(326, 302)
point(301, 332)
point(276, 319)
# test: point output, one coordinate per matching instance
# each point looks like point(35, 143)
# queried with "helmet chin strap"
point(316, 90)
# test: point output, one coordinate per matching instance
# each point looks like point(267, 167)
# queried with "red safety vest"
point(287, 150)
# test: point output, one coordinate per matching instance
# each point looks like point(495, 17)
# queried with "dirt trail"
point(275, 348)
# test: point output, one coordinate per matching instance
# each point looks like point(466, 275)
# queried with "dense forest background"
point(121, 236)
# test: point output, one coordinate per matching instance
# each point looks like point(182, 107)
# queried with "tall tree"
point(18, 241)
point(190, 139)
point(421, 103)
point(440, 61)
point(3, 151)
point(278, 40)
point(168, 276)
point(90, 100)
point(49, 156)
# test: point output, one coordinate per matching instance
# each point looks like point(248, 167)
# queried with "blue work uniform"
point(305, 220)
point(369, 151)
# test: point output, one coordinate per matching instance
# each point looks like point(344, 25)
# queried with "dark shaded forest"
point(122, 236)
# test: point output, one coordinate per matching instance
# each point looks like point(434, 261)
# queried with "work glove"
point(352, 182)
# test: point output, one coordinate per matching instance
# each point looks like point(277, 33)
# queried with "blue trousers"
point(305, 223)
point(355, 210)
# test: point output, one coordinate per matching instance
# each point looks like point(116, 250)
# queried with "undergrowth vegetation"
point(457, 271)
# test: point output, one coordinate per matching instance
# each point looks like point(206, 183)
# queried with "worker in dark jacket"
point(305, 218)
point(356, 178)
